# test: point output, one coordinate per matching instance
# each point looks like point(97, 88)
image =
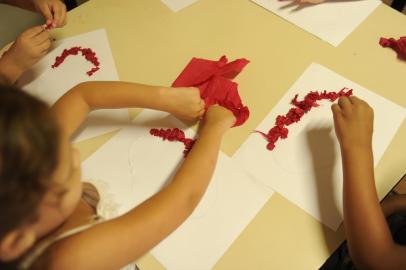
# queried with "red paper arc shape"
point(87, 53)
point(301, 107)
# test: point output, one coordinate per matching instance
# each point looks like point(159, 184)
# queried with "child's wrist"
point(163, 91)
point(355, 150)
point(164, 94)
point(218, 126)
point(9, 68)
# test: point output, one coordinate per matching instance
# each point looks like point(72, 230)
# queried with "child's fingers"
point(202, 104)
point(64, 19)
point(337, 113)
point(344, 103)
point(59, 9)
point(34, 31)
point(46, 11)
point(201, 113)
point(357, 100)
point(44, 46)
point(41, 37)
point(336, 109)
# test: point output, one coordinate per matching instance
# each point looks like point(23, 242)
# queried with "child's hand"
point(29, 47)
point(219, 116)
point(185, 103)
point(353, 121)
point(307, 1)
point(312, 1)
point(54, 11)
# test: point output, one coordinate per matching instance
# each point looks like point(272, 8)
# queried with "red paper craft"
point(398, 45)
point(48, 26)
point(213, 78)
point(88, 53)
point(174, 134)
point(296, 113)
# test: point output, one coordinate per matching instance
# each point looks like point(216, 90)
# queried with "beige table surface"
point(151, 45)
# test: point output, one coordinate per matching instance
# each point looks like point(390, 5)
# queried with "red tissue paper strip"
point(398, 45)
point(174, 134)
point(296, 113)
point(48, 26)
point(88, 53)
point(213, 78)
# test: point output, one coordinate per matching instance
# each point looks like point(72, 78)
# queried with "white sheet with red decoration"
point(49, 84)
point(305, 167)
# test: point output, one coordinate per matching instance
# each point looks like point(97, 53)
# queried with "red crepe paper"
point(48, 26)
point(174, 134)
point(213, 78)
point(397, 45)
point(88, 53)
point(301, 107)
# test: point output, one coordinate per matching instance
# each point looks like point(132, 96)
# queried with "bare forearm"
point(121, 95)
point(178, 200)
point(8, 70)
point(364, 221)
point(154, 219)
point(73, 107)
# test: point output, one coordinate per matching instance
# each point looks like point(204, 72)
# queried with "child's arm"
point(369, 240)
point(73, 107)
point(28, 49)
point(115, 243)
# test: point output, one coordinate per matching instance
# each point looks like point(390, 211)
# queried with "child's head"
point(39, 173)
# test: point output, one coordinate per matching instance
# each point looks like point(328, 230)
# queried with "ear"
point(16, 243)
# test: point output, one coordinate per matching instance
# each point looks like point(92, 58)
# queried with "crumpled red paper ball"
point(301, 107)
point(174, 134)
point(397, 45)
point(214, 79)
point(87, 53)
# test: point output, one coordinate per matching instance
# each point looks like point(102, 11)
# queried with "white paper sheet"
point(176, 5)
point(331, 21)
point(50, 84)
point(306, 167)
point(135, 165)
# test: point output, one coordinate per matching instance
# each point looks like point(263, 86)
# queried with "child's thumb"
point(46, 11)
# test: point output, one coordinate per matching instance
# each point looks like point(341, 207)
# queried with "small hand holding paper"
point(54, 12)
point(29, 48)
point(214, 79)
point(353, 122)
point(185, 103)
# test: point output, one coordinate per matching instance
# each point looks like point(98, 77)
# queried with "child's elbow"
point(193, 200)
point(375, 260)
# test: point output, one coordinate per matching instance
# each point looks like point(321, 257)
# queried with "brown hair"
point(29, 145)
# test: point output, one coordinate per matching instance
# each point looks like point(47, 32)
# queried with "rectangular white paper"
point(176, 5)
point(306, 167)
point(134, 165)
point(331, 21)
point(50, 84)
